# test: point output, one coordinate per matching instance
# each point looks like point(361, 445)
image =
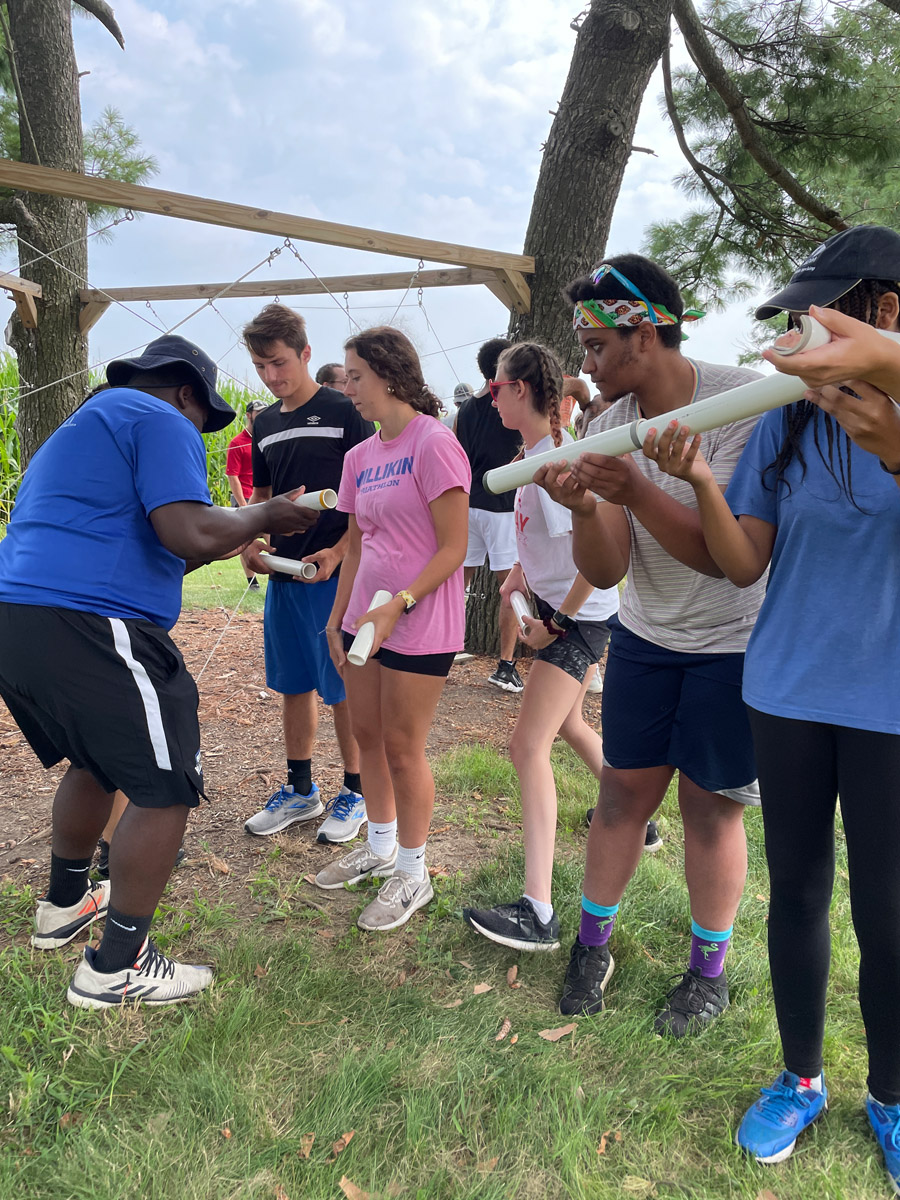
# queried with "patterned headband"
point(612, 314)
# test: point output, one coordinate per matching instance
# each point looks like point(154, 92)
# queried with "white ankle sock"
point(411, 860)
point(382, 837)
point(815, 1083)
point(544, 911)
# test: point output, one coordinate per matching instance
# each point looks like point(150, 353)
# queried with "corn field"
point(10, 464)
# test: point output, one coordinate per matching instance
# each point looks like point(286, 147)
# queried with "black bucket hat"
point(169, 349)
point(837, 266)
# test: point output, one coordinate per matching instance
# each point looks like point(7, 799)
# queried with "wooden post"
point(24, 293)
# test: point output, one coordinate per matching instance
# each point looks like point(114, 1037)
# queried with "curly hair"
point(654, 281)
point(539, 367)
point(393, 358)
point(488, 355)
point(861, 303)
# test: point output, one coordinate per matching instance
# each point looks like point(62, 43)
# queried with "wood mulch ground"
point(244, 763)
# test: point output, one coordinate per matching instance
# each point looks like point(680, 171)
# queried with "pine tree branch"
point(716, 75)
point(105, 15)
point(893, 5)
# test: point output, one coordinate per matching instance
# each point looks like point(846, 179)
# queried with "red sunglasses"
point(494, 388)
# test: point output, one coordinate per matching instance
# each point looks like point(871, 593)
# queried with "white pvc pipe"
point(362, 644)
point(748, 400)
point(291, 566)
point(317, 500)
point(521, 608)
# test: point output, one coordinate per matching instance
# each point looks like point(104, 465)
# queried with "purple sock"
point(597, 921)
point(708, 950)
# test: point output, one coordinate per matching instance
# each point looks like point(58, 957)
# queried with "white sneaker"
point(283, 808)
point(596, 684)
point(346, 815)
point(153, 979)
point(398, 898)
point(55, 926)
point(361, 863)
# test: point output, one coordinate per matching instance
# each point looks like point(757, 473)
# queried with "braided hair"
point(861, 303)
point(393, 358)
point(539, 367)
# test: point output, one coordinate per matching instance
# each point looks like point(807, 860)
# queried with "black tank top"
point(488, 444)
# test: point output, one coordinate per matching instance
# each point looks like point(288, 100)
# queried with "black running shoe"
point(587, 975)
point(652, 840)
point(516, 925)
point(692, 1004)
point(506, 677)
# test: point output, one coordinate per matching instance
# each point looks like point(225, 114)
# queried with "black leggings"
point(803, 766)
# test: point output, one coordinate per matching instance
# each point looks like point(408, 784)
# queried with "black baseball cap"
point(169, 349)
point(837, 266)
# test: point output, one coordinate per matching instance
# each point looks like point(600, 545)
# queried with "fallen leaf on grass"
point(260, 972)
point(306, 1145)
point(438, 873)
point(504, 1030)
point(280, 1193)
point(325, 933)
point(763, 899)
point(467, 965)
point(351, 1191)
point(767, 1195)
point(513, 1039)
point(218, 864)
point(553, 1035)
point(604, 1140)
point(226, 1132)
point(341, 1144)
point(443, 829)
point(401, 979)
point(485, 1168)
point(511, 975)
point(480, 988)
point(70, 1119)
point(309, 878)
point(453, 1004)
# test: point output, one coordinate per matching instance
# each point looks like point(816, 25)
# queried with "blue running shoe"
point(346, 813)
point(885, 1120)
point(770, 1126)
point(283, 808)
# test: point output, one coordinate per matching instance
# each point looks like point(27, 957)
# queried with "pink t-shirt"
point(388, 486)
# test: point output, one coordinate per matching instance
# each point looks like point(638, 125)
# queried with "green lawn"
point(313, 1028)
point(222, 585)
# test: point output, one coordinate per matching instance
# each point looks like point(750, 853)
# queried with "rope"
point(409, 287)
point(234, 613)
point(435, 336)
point(345, 308)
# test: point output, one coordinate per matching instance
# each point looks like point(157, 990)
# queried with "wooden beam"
point(49, 181)
point(338, 284)
point(517, 290)
point(26, 308)
point(91, 312)
point(16, 284)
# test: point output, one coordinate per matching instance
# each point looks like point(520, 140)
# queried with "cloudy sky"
point(422, 117)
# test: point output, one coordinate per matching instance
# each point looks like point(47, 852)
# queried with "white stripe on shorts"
point(149, 698)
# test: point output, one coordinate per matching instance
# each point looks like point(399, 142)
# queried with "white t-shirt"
point(544, 542)
point(664, 601)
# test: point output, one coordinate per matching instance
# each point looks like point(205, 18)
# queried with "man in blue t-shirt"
point(90, 582)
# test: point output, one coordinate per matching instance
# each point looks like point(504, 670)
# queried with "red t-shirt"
point(238, 461)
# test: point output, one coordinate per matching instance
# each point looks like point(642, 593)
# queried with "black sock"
point(123, 937)
point(300, 775)
point(68, 880)
point(352, 782)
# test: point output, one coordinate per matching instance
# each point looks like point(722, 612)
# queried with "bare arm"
point(201, 531)
point(236, 490)
point(346, 580)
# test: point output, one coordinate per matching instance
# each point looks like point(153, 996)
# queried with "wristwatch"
point(563, 622)
point(408, 599)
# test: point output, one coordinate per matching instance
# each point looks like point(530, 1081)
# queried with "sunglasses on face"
point(495, 387)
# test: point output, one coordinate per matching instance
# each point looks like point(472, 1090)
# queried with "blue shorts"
point(297, 658)
point(667, 708)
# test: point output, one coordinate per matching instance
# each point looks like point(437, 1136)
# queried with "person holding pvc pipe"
point(405, 491)
point(816, 500)
point(672, 688)
point(568, 636)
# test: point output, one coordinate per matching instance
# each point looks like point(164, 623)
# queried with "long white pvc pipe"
point(748, 400)
point(521, 608)
point(318, 500)
point(291, 566)
point(365, 639)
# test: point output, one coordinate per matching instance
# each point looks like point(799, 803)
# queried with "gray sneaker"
point(396, 902)
point(361, 863)
point(285, 808)
point(346, 816)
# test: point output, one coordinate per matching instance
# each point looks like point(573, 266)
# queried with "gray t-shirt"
point(664, 601)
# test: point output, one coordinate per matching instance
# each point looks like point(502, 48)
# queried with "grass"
point(313, 1028)
point(222, 585)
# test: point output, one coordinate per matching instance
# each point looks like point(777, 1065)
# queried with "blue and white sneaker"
point(885, 1120)
point(770, 1127)
point(283, 808)
point(346, 815)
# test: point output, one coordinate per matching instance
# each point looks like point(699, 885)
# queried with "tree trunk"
point(50, 125)
point(616, 51)
point(483, 614)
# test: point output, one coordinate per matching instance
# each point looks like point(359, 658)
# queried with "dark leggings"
point(803, 766)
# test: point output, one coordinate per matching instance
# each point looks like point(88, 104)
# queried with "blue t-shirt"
point(80, 535)
point(826, 646)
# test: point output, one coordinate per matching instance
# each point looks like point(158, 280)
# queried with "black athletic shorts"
point(112, 696)
point(437, 665)
point(577, 652)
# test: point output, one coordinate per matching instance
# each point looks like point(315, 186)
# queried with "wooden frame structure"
point(504, 274)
